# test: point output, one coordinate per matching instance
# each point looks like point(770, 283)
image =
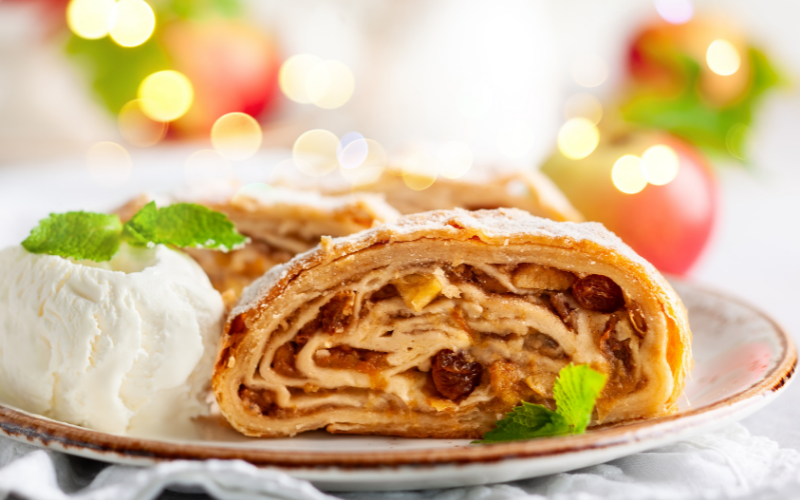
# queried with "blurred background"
point(673, 122)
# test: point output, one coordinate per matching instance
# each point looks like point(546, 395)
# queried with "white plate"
point(743, 360)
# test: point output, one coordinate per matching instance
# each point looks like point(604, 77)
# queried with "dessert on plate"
point(438, 324)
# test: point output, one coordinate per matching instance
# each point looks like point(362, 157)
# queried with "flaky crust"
point(581, 248)
point(527, 190)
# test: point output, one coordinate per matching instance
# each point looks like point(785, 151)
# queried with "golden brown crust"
point(526, 190)
point(576, 246)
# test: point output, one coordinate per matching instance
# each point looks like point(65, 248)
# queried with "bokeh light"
point(330, 84)
point(627, 175)
point(474, 100)
point(352, 150)
point(515, 139)
point(454, 159)
point(589, 71)
point(578, 138)
point(137, 128)
point(314, 152)
point(109, 164)
point(89, 18)
point(236, 136)
point(305, 78)
point(294, 75)
point(722, 57)
point(418, 169)
point(675, 11)
point(660, 165)
point(735, 141)
point(371, 169)
point(132, 22)
point(584, 105)
point(166, 95)
point(208, 170)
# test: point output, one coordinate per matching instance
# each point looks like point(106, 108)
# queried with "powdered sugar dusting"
point(490, 225)
point(268, 196)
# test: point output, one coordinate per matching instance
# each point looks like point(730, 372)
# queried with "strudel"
point(438, 324)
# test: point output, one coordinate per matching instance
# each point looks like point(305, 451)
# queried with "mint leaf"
point(80, 235)
point(575, 391)
point(527, 422)
point(183, 225)
point(140, 230)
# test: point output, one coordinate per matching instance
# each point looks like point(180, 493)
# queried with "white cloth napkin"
point(730, 463)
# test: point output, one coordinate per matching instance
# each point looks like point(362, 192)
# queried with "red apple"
point(668, 225)
point(232, 66)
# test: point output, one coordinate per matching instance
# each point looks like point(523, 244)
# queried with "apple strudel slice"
point(438, 324)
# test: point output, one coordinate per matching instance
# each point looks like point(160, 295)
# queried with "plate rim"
point(42, 431)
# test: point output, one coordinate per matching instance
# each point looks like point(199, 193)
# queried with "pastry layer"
point(439, 324)
point(526, 190)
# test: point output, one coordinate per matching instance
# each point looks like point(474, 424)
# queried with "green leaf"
point(80, 235)
point(692, 118)
point(527, 422)
point(575, 392)
point(183, 225)
point(116, 72)
point(140, 229)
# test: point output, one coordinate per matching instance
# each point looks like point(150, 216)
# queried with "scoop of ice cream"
point(124, 346)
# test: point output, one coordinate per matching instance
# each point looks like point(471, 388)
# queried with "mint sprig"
point(182, 225)
point(93, 236)
point(575, 391)
point(81, 235)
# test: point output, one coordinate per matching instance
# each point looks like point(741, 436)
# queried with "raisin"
point(453, 375)
point(598, 293)
point(283, 362)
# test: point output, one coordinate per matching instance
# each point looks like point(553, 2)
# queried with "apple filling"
point(433, 338)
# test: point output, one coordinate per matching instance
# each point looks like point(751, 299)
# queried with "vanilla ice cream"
point(124, 346)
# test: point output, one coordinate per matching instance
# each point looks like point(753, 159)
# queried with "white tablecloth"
point(729, 463)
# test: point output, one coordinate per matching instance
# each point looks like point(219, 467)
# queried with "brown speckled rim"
point(70, 439)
